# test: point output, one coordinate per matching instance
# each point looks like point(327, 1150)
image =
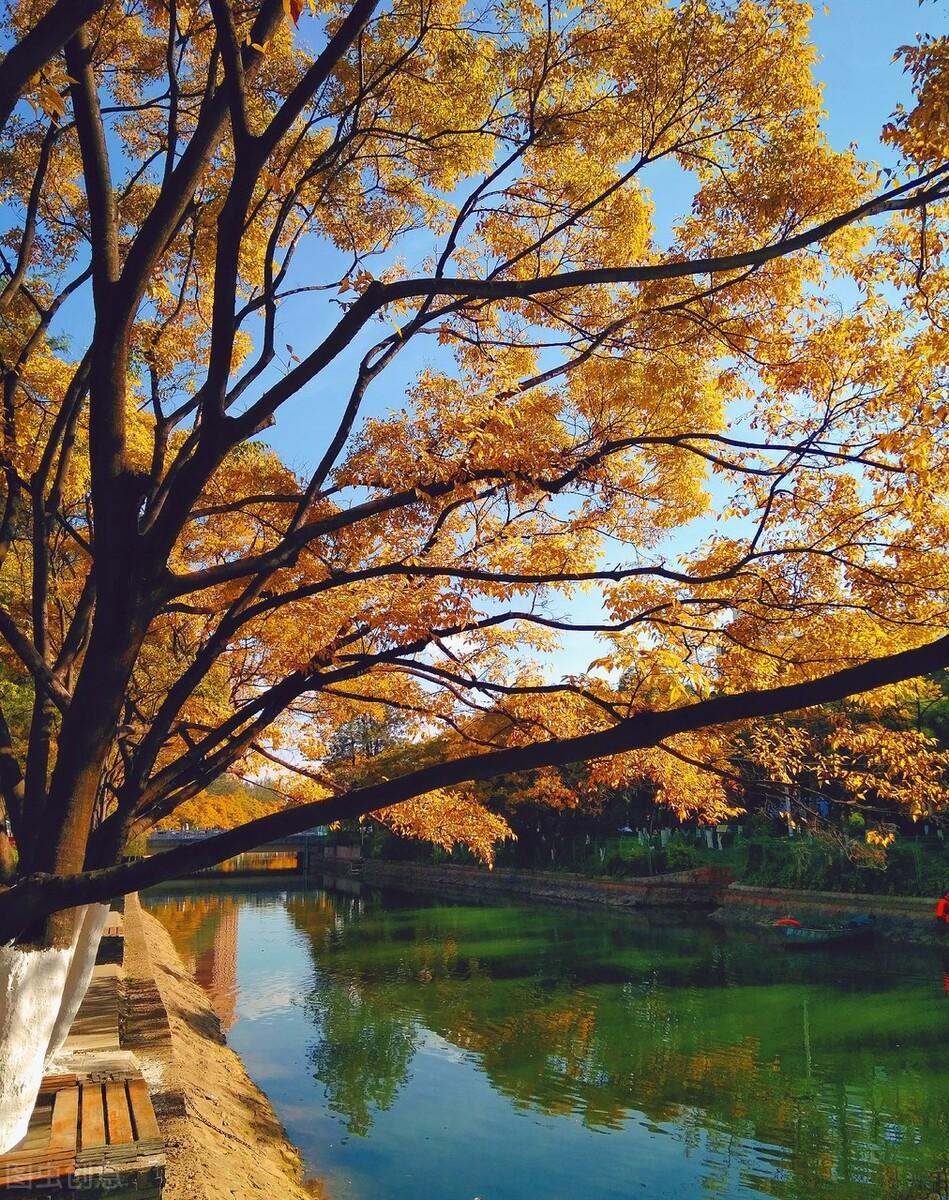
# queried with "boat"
point(793, 933)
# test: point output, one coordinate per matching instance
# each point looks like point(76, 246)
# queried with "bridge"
point(171, 839)
point(290, 855)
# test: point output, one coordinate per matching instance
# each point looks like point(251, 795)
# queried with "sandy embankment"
point(223, 1138)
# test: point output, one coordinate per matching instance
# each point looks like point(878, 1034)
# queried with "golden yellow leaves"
point(922, 133)
point(357, 282)
point(223, 809)
point(45, 91)
point(47, 98)
point(294, 9)
point(449, 818)
point(777, 461)
point(687, 774)
point(864, 753)
point(899, 766)
point(274, 183)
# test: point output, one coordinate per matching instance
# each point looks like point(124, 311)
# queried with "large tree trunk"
point(32, 985)
point(80, 973)
point(40, 993)
point(7, 860)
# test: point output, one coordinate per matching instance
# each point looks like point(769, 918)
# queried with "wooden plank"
point(31, 1156)
point(37, 1133)
point(117, 1106)
point(113, 1064)
point(100, 1125)
point(59, 1166)
point(136, 1181)
point(53, 1083)
point(96, 1026)
point(93, 1116)
point(146, 1126)
point(64, 1132)
point(107, 974)
point(22, 1176)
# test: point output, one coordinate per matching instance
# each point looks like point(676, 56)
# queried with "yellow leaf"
point(293, 9)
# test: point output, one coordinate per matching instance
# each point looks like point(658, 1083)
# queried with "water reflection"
point(740, 1068)
point(204, 929)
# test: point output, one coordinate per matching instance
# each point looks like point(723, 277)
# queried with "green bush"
point(763, 857)
point(759, 825)
point(137, 847)
point(912, 868)
point(631, 859)
point(681, 856)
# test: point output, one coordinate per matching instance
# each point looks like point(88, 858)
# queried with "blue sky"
point(856, 41)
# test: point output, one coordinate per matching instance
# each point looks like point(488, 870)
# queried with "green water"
point(424, 1049)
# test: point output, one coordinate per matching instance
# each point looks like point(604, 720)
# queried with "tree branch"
point(42, 43)
point(39, 896)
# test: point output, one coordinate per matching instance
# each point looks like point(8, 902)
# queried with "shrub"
point(634, 859)
point(680, 856)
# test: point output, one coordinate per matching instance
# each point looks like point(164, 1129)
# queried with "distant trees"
point(885, 765)
point(223, 804)
point(363, 737)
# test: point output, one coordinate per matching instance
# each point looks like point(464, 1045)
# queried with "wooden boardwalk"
point(96, 1027)
point(93, 1128)
point(94, 1132)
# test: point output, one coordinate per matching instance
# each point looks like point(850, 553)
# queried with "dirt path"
point(223, 1139)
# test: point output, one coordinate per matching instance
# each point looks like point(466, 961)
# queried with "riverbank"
point(898, 917)
point(689, 891)
point(223, 1140)
point(902, 918)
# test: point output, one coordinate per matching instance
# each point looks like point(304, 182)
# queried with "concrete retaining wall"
point(692, 890)
point(904, 918)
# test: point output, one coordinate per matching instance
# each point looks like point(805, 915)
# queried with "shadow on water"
point(504, 1051)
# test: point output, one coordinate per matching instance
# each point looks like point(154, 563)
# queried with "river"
point(420, 1048)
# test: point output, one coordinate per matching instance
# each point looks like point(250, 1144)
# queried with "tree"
point(223, 804)
point(182, 178)
point(363, 736)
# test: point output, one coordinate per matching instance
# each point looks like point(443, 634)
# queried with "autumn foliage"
point(529, 397)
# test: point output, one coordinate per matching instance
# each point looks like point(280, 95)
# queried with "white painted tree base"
point(90, 923)
point(32, 983)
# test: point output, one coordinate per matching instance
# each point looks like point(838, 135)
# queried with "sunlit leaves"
point(747, 466)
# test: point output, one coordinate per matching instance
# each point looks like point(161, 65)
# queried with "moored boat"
point(792, 933)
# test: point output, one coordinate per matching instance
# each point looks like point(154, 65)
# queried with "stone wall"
point(710, 890)
point(703, 890)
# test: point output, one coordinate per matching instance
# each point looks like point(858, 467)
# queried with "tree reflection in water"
point(801, 1077)
point(204, 929)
